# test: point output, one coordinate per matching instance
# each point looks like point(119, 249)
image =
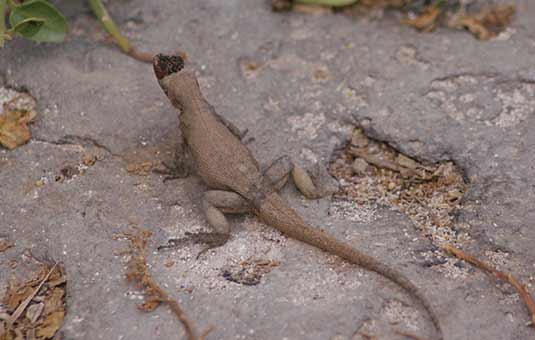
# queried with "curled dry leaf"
point(427, 21)
point(14, 130)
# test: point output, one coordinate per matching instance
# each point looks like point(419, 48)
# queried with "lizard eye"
point(165, 65)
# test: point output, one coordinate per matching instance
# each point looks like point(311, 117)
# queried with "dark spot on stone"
point(69, 171)
point(460, 264)
point(434, 262)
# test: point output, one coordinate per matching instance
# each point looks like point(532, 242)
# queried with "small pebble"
point(359, 166)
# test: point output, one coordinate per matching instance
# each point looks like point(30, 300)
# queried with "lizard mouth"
point(165, 65)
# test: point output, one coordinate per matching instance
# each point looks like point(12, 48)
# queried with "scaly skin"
point(225, 163)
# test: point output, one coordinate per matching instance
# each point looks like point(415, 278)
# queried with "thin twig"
point(520, 288)
point(139, 272)
point(20, 309)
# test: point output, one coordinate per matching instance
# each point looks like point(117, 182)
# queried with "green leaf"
point(52, 24)
point(27, 27)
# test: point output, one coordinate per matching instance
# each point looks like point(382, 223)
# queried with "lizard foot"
point(172, 172)
point(209, 239)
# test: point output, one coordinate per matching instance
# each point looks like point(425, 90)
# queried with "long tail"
point(275, 212)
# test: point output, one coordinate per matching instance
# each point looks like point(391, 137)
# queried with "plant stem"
point(2, 22)
point(102, 15)
point(123, 42)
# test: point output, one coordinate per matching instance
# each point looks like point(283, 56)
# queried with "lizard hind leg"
point(215, 204)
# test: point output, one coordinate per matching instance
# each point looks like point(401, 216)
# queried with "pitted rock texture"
point(299, 83)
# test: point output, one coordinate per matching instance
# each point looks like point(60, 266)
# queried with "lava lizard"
point(213, 149)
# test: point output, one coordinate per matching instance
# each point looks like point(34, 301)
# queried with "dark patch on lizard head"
point(165, 65)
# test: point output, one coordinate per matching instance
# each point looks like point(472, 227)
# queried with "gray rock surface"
point(439, 96)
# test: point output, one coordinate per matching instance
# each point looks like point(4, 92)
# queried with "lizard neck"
point(195, 111)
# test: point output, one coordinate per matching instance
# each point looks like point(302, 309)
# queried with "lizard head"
point(178, 84)
point(165, 65)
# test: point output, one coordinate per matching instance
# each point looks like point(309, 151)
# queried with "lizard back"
point(220, 158)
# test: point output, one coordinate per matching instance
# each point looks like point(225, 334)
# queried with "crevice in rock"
point(372, 172)
point(83, 142)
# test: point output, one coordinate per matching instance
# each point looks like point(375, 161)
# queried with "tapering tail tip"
point(165, 65)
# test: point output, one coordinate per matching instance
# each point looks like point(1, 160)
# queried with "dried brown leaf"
point(50, 325)
point(427, 21)
point(14, 130)
point(54, 301)
point(15, 294)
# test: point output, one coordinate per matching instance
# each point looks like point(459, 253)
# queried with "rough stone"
point(438, 96)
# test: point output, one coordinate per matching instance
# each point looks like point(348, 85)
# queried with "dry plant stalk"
point(520, 288)
point(154, 295)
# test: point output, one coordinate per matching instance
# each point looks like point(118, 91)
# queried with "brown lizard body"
point(225, 164)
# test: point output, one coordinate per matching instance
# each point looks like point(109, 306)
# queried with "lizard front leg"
point(182, 163)
point(229, 125)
